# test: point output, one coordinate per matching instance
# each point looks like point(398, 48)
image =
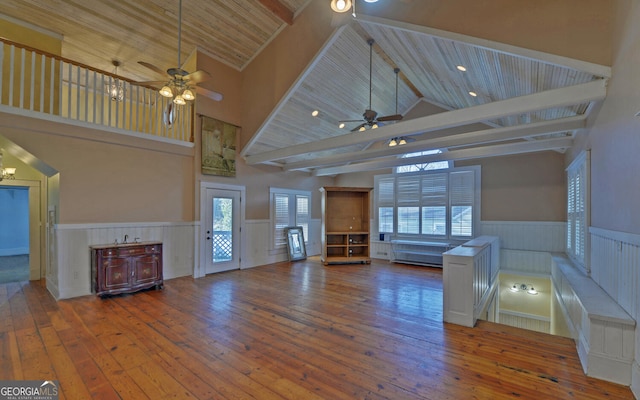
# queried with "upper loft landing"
point(40, 89)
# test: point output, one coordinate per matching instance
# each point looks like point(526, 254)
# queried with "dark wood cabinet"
point(126, 268)
point(345, 225)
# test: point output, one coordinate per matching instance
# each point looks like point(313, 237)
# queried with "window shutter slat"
point(408, 190)
point(434, 190)
point(462, 187)
point(386, 193)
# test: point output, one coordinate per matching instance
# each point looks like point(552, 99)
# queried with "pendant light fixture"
point(115, 88)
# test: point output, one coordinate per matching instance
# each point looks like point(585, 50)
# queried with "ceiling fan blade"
point(395, 117)
point(357, 128)
point(152, 67)
point(350, 120)
point(197, 77)
point(209, 93)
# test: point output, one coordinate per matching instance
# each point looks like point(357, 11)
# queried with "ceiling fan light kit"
point(181, 84)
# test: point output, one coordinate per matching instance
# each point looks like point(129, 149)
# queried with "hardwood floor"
point(292, 331)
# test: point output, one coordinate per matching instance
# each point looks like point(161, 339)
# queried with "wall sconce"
point(8, 173)
point(523, 287)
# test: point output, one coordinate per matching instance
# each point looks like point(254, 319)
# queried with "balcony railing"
point(469, 277)
point(47, 86)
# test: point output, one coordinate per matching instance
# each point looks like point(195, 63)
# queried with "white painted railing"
point(469, 274)
point(49, 87)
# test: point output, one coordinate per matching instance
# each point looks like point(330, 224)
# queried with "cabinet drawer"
point(131, 251)
point(109, 252)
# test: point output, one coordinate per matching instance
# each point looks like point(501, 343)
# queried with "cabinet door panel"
point(146, 269)
point(116, 272)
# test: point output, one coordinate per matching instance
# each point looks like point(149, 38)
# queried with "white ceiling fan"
point(181, 83)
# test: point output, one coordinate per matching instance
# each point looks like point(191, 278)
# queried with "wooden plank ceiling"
point(432, 93)
point(524, 85)
point(232, 31)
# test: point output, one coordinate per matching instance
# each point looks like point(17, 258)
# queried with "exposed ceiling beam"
point(279, 10)
point(577, 94)
point(462, 139)
point(462, 154)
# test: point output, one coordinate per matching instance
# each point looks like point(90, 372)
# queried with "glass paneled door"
point(222, 230)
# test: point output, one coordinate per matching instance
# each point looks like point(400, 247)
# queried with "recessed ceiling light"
point(473, 94)
point(341, 125)
point(461, 68)
point(315, 113)
point(370, 1)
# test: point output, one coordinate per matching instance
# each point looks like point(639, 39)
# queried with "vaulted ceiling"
point(524, 101)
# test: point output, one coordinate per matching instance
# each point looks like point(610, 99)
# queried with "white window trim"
point(580, 165)
point(292, 193)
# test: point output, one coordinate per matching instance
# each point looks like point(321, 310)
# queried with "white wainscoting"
point(525, 321)
point(257, 250)
point(615, 267)
point(603, 331)
point(527, 235)
point(380, 250)
point(74, 257)
point(524, 261)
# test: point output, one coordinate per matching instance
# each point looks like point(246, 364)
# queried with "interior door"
point(222, 230)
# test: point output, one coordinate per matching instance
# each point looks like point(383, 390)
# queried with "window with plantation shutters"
point(289, 208)
point(429, 204)
point(408, 204)
point(462, 197)
point(578, 210)
point(434, 189)
point(386, 202)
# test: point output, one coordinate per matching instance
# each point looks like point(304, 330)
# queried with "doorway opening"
point(14, 234)
point(222, 218)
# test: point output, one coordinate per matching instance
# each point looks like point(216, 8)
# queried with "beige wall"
point(613, 136)
point(103, 182)
point(523, 187)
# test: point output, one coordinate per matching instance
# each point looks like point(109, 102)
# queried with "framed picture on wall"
point(218, 147)
point(295, 243)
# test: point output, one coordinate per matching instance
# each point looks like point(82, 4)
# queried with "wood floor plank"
point(283, 331)
point(71, 383)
